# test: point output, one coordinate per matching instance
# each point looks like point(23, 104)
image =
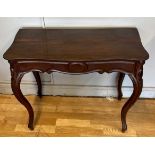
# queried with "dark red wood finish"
point(77, 51)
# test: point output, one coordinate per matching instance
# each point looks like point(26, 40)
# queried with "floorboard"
point(75, 117)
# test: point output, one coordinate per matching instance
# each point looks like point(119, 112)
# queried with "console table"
point(77, 51)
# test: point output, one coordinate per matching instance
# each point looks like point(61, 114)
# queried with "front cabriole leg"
point(38, 80)
point(137, 84)
point(15, 85)
point(119, 86)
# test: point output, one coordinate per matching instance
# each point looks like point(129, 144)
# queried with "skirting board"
point(76, 90)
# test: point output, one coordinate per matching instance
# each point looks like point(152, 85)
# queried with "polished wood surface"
point(77, 51)
point(90, 44)
point(75, 116)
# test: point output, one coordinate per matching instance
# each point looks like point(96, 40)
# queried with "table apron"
point(74, 67)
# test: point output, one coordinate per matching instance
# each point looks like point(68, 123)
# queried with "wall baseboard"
point(76, 90)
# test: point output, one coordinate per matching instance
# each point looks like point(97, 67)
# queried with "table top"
point(77, 44)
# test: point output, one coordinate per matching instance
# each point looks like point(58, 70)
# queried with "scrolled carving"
point(11, 69)
point(139, 70)
point(100, 72)
point(77, 67)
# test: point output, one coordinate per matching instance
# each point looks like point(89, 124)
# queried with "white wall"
point(92, 84)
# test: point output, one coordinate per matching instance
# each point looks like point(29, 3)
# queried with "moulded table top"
point(77, 44)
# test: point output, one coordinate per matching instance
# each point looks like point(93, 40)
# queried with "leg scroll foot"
point(124, 126)
point(30, 126)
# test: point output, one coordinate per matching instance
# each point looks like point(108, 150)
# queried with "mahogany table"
point(77, 51)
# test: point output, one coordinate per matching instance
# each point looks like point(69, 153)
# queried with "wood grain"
point(75, 116)
point(77, 44)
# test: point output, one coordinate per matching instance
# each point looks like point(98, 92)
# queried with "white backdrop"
point(93, 84)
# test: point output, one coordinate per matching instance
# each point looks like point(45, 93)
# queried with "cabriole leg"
point(137, 84)
point(119, 87)
point(15, 84)
point(38, 80)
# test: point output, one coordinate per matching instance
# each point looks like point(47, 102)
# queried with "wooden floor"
point(75, 116)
